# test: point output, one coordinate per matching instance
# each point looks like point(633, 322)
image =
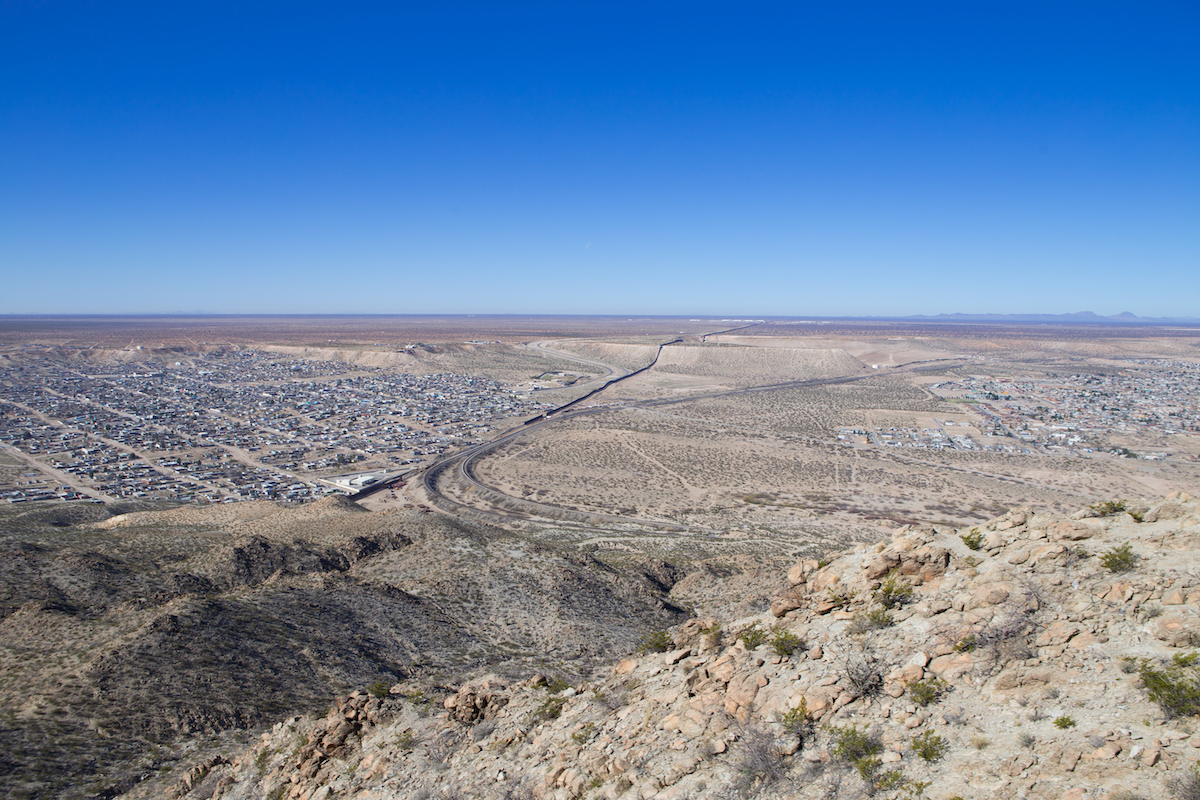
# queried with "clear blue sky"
point(738, 158)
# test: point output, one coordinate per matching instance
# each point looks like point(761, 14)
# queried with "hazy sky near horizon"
point(732, 158)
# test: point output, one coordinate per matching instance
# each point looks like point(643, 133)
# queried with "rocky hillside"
point(1031, 657)
point(122, 636)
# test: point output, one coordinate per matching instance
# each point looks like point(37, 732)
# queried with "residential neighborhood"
point(231, 426)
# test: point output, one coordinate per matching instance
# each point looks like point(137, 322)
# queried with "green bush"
point(379, 688)
point(796, 721)
point(656, 642)
point(852, 745)
point(551, 708)
point(841, 599)
point(867, 621)
point(892, 779)
point(867, 767)
point(925, 692)
point(753, 636)
point(1064, 723)
point(893, 593)
point(929, 746)
point(784, 642)
point(966, 644)
point(1109, 508)
point(1119, 559)
point(555, 685)
point(972, 539)
point(584, 734)
point(1175, 687)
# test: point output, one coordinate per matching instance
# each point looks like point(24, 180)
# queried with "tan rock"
point(1084, 640)
point(675, 656)
point(1071, 531)
point(1020, 557)
point(741, 692)
point(1058, 633)
point(1174, 597)
point(952, 666)
point(878, 567)
point(906, 674)
point(1120, 593)
point(824, 579)
point(784, 603)
point(988, 595)
point(801, 571)
point(1176, 630)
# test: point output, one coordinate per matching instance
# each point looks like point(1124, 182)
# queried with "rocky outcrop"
point(1006, 671)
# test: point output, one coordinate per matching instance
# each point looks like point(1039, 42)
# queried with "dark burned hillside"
point(120, 635)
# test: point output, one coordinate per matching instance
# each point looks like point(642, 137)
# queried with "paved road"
point(608, 370)
point(464, 461)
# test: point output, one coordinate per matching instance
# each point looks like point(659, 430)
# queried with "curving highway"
point(498, 506)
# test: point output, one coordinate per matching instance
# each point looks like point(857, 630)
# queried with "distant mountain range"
point(1086, 317)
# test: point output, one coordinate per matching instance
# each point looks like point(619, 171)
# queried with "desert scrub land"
point(1026, 668)
point(124, 635)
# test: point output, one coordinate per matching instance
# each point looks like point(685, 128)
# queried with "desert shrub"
point(796, 721)
point(760, 759)
point(866, 768)
point(1109, 508)
point(973, 539)
point(551, 708)
point(555, 685)
point(1027, 740)
point(713, 632)
point(379, 688)
point(753, 636)
point(851, 745)
point(864, 670)
point(1119, 559)
point(407, 740)
point(914, 789)
point(929, 746)
point(925, 692)
point(1186, 785)
point(867, 621)
point(584, 734)
point(892, 779)
point(1174, 687)
point(893, 593)
point(980, 742)
point(1064, 722)
point(784, 642)
point(966, 644)
point(841, 599)
point(859, 749)
point(656, 642)
point(1005, 639)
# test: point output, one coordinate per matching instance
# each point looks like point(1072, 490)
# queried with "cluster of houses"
point(236, 425)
